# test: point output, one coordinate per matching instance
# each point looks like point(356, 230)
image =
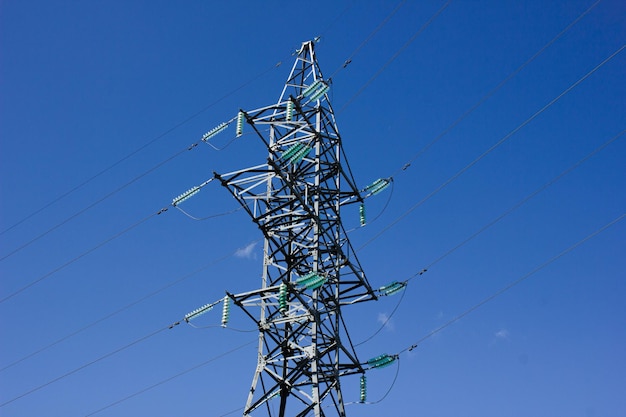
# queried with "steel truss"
point(310, 269)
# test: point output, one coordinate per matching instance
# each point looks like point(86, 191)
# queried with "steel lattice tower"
point(309, 267)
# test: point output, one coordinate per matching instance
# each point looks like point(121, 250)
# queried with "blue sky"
point(123, 87)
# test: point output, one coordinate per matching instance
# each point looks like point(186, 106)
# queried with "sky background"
point(123, 87)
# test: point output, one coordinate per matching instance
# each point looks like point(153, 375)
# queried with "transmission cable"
point(141, 339)
point(384, 67)
point(393, 383)
point(493, 222)
point(144, 146)
point(186, 371)
point(513, 283)
point(71, 261)
point(212, 216)
point(231, 412)
point(368, 38)
point(486, 97)
point(398, 220)
point(121, 309)
point(181, 198)
point(384, 322)
point(110, 194)
point(385, 360)
point(493, 147)
point(496, 88)
point(398, 52)
point(100, 200)
point(147, 144)
point(527, 198)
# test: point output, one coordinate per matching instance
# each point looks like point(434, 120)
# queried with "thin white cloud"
point(247, 252)
point(385, 320)
point(502, 334)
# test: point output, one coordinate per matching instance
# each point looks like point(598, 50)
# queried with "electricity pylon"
point(310, 270)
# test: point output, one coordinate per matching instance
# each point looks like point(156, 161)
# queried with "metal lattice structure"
point(310, 271)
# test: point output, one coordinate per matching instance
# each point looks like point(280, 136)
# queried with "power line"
point(493, 222)
point(368, 38)
point(571, 248)
point(486, 96)
point(384, 323)
point(120, 188)
point(514, 283)
point(188, 194)
point(151, 142)
point(432, 333)
point(502, 291)
point(494, 146)
point(141, 148)
point(496, 88)
point(393, 58)
point(120, 310)
point(82, 255)
point(141, 339)
point(163, 163)
point(136, 224)
point(526, 199)
point(3, 300)
point(100, 200)
point(186, 371)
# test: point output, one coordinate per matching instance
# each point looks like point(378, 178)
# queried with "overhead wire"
point(384, 323)
point(477, 104)
point(231, 412)
point(186, 371)
point(175, 203)
point(384, 67)
point(393, 383)
point(416, 156)
point(465, 114)
point(98, 246)
point(92, 205)
point(525, 200)
point(368, 38)
point(514, 283)
point(121, 309)
point(488, 225)
point(493, 147)
point(496, 88)
point(226, 213)
point(483, 99)
point(105, 197)
point(503, 290)
point(65, 375)
point(144, 146)
point(82, 255)
point(561, 254)
point(105, 356)
point(395, 55)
